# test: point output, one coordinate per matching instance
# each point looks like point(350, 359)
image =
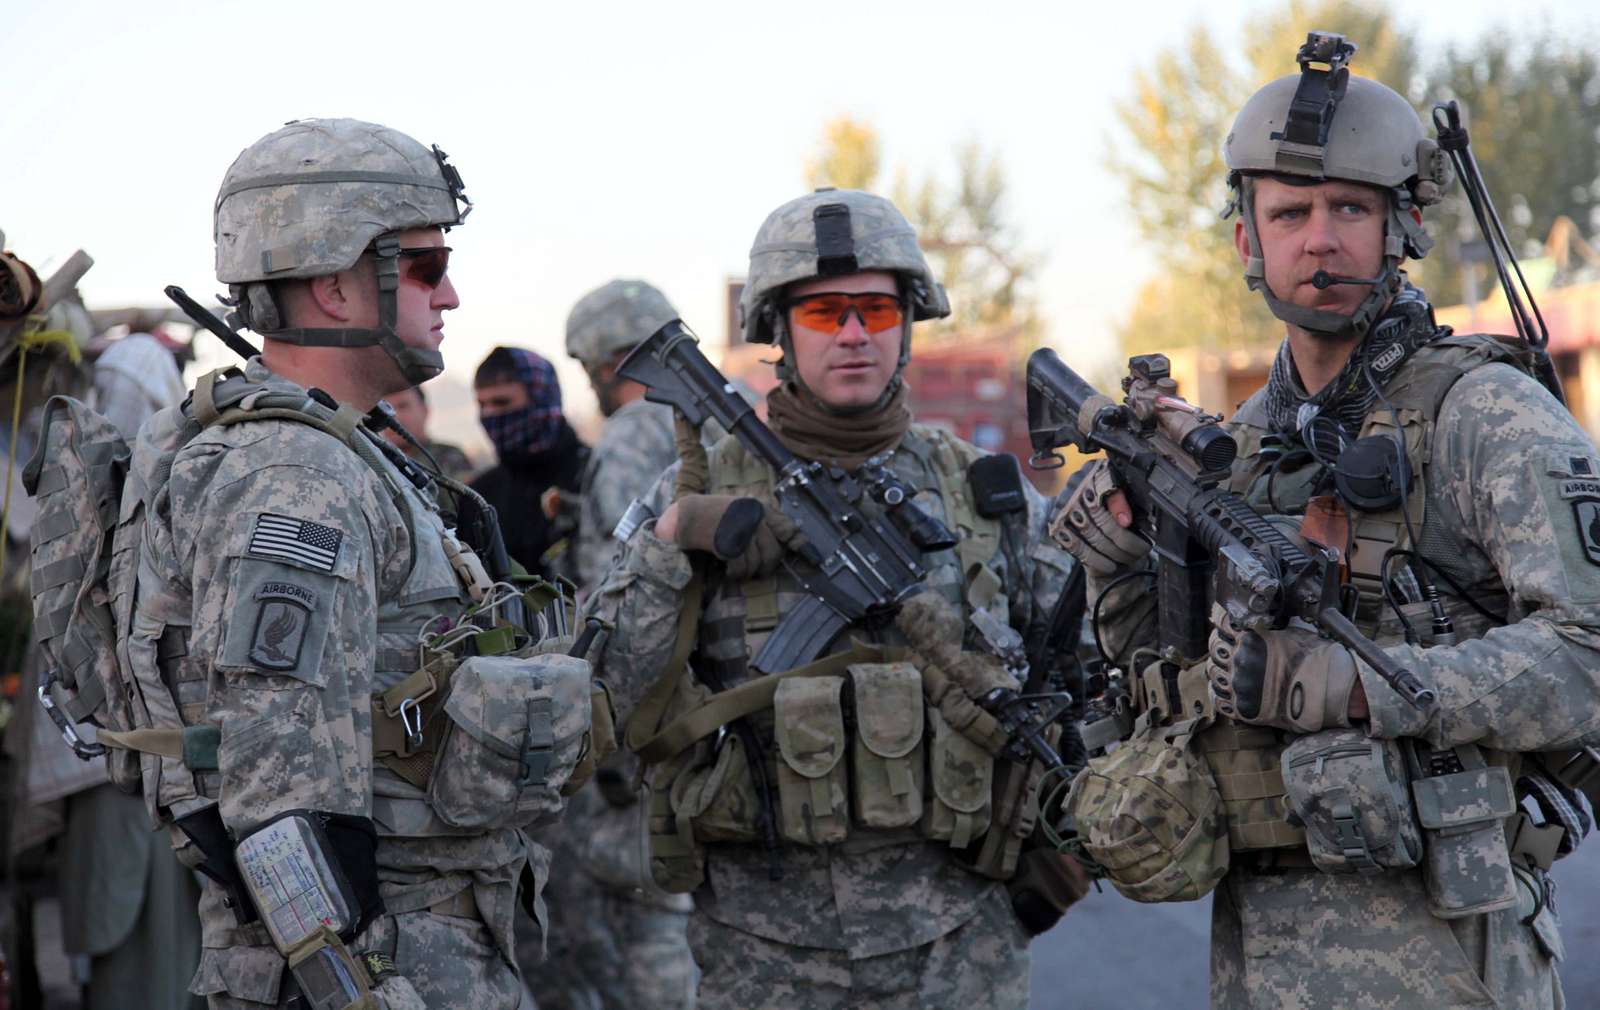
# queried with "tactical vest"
point(158, 718)
point(703, 791)
point(1246, 759)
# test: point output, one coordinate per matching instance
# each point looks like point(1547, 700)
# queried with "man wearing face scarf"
point(519, 406)
point(821, 882)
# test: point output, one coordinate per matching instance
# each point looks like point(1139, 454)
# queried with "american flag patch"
point(295, 540)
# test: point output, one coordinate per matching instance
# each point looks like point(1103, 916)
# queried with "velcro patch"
point(280, 632)
point(1587, 512)
point(284, 538)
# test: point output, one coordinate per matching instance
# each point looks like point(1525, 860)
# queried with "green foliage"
point(1533, 111)
point(1534, 105)
point(963, 229)
point(849, 156)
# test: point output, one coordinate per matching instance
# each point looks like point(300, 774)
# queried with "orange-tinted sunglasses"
point(426, 264)
point(827, 311)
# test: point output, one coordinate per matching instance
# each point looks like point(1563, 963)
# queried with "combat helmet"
point(1325, 124)
point(830, 233)
point(307, 200)
point(614, 318)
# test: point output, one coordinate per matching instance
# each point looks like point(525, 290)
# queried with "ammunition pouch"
point(1349, 791)
point(907, 767)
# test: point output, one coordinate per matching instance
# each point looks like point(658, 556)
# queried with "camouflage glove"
point(1293, 679)
point(1085, 528)
point(748, 537)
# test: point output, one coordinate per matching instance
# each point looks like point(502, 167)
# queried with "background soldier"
point(616, 939)
point(1439, 468)
point(411, 410)
point(636, 442)
point(843, 913)
point(285, 578)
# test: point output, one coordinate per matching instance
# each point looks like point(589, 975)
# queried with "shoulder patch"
point(285, 538)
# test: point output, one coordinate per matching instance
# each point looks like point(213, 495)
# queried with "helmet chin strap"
point(1397, 239)
point(417, 364)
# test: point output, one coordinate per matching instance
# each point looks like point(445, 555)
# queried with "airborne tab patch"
point(299, 541)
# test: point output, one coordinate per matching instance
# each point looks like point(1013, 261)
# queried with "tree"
point(975, 252)
point(973, 249)
point(1174, 124)
point(1533, 112)
point(849, 156)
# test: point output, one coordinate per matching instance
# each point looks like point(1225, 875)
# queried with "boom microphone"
point(1322, 280)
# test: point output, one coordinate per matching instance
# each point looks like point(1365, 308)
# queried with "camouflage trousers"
point(982, 963)
point(444, 960)
point(606, 951)
point(1298, 939)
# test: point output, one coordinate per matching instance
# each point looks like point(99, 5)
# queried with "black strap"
point(354, 841)
point(312, 178)
point(206, 830)
point(836, 247)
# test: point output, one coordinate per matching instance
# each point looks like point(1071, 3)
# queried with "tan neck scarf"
point(812, 432)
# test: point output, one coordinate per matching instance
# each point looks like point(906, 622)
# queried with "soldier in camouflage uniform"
point(617, 940)
point(636, 442)
point(841, 914)
point(1496, 518)
point(286, 572)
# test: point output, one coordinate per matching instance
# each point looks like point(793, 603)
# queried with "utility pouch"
point(1150, 815)
point(720, 801)
point(1016, 812)
point(515, 731)
point(812, 787)
point(961, 779)
point(328, 975)
point(1463, 804)
point(1350, 793)
point(887, 756)
point(677, 858)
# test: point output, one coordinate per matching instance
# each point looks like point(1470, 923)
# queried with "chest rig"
point(909, 769)
point(1246, 760)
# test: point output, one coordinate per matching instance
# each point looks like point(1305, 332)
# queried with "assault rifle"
point(854, 565)
point(1210, 545)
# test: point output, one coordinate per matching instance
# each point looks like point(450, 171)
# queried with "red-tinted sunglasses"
point(425, 264)
point(827, 311)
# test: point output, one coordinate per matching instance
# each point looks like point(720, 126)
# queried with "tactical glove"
point(1293, 679)
point(746, 535)
point(1085, 528)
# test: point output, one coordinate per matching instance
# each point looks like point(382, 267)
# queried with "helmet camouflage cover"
point(308, 199)
point(1327, 124)
point(830, 233)
point(615, 317)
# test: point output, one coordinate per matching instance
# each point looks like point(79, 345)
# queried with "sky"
point(596, 140)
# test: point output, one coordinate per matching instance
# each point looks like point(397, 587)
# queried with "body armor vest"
point(1245, 759)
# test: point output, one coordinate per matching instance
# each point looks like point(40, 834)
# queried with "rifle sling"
point(750, 697)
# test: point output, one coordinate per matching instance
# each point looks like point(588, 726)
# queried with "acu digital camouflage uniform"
point(616, 939)
point(1503, 505)
point(295, 715)
point(286, 573)
point(886, 918)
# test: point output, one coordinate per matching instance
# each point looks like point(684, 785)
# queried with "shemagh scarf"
point(1404, 327)
point(536, 427)
point(813, 432)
